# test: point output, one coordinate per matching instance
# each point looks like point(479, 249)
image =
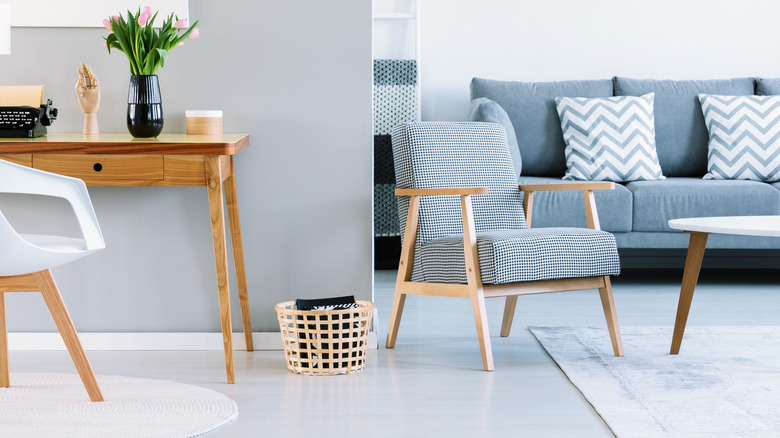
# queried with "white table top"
point(744, 225)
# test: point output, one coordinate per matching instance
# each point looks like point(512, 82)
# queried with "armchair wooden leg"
point(483, 332)
point(65, 326)
point(4, 379)
point(509, 315)
point(395, 318)
point(608, 302)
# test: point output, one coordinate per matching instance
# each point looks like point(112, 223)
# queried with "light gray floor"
point(432, 384)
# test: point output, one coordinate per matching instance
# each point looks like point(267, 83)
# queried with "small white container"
point(204, 122)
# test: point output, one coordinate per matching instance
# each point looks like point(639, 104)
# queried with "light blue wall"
point(295, 75)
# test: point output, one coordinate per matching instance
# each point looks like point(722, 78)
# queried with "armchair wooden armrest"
point(591, 215)
point(410, 230)
point(458, 191)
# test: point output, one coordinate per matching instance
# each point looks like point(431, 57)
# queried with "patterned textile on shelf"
point(395, 101)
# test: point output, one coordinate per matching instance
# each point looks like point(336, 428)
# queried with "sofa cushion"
point(531, 108)
point(767, 86)
point(567, 208)
point(680, 134)
point(609, 138)
point(507, 256)
point(485, 110)
point(744, 137)
point(656, 202)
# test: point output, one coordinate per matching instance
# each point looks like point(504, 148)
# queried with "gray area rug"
point(724, 383)
point(56, 405)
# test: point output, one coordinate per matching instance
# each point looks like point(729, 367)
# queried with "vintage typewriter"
point(26, 121)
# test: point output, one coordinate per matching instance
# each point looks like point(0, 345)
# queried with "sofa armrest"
point(591, 215)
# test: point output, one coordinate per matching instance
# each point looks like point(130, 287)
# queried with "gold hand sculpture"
point(88, 91)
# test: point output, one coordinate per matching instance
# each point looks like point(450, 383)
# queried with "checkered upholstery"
point(466, 154)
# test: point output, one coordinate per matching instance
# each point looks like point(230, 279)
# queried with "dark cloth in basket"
point(335, 303)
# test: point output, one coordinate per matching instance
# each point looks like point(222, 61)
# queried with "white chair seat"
point(27, 253)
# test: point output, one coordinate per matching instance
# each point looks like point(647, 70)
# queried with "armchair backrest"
point(456, 154)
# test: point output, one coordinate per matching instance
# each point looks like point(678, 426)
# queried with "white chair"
point(26, 260)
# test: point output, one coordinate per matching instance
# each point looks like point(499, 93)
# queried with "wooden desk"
point(169, 160)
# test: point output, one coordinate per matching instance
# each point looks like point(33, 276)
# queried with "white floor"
point(432, 384)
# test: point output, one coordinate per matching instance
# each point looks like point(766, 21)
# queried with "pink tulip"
point(145, 16)
point(180, 24)
point(107, 24)
point(195, 33)
point(115, 18)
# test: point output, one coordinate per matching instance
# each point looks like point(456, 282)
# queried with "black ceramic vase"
point(144, 106)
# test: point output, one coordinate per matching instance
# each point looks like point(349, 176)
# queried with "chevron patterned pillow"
point(744, 137)
point(609, 138)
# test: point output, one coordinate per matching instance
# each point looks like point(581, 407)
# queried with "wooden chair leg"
point(4, 379)
point(608, 302)
point(395, 317)
point(509, 314)
point(65, 326)
point(483, 332)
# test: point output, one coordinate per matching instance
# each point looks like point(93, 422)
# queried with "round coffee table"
point(700, 228)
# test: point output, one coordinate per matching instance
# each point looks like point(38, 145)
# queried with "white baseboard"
point(151, 341)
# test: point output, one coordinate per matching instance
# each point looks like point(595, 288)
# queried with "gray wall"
point(295, 75)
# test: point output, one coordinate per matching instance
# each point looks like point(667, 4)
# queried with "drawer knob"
point(98, 167)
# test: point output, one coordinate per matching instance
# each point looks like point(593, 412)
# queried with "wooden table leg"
point(690, 276)
point(214, 178)
point(231, 197)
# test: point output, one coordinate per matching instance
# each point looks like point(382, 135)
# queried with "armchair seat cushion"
point(512, 255)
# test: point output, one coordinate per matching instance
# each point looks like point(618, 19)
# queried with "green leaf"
point(163, 56)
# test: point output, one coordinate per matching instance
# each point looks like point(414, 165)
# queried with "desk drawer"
point(105, 170)
point(23, 159)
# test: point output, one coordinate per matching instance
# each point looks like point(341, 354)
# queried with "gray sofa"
point(636, 212)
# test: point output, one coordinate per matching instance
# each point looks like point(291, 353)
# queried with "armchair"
point(26, 260)
point(439, 167)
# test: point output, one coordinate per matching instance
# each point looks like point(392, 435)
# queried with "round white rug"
point(57, 405)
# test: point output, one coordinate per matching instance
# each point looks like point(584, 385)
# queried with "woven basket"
point(325, 341)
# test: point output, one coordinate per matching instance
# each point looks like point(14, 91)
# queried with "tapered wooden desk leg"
point(231, 196)
point(51, 295)
point(214, 178)
point(4, 379)
point(690, 276)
